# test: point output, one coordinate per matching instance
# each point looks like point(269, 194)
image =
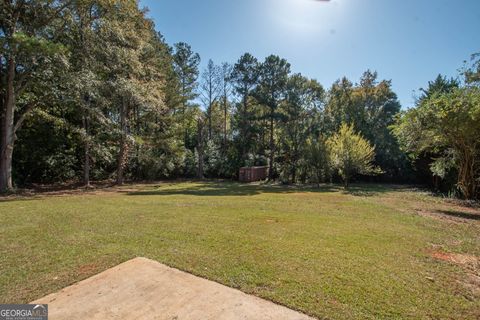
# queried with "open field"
point(375, 252)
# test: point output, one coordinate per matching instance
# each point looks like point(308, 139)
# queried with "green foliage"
point(440, 85)
point(270, 92)
point(32, 67)
point(318, 165)
point(472, 72)
point(298, 114)
point(371, 107)
point(186, 67)
point(351, 154)
point(120, 102)
point(447, 124)
point(55, 158)
point(244, 78)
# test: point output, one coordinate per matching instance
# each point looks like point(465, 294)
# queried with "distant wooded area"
point(91, 91)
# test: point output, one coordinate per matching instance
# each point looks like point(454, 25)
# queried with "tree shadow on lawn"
point(460, 214)
point(373, 189)
point(19, 198)
point(213, 188)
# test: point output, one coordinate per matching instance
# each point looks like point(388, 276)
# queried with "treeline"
point(90, 91)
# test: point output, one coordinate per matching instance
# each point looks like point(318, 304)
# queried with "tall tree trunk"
point(466, 175)
point(244, 130)
point(7, 131)
point(346, 179)
point(137, 145)
point(200, 149)
point(264, 134)
point(123, 153)
point(294, 174)
point(86, 160)
point(225, 107)
point(294, 162)
point(184, 112)
point(319, 177)
point(210, 121)
point(272, 147)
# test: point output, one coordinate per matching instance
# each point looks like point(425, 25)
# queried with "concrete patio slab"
point(145, 289)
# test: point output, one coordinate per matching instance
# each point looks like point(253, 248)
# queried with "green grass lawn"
point(372, 253)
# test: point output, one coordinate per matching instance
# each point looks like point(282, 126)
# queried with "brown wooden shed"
point(250, 174)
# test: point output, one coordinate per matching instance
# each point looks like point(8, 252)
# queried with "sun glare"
point(305, 16)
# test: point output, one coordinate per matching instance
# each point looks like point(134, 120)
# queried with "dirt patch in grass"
point(472, 284)
point(87, 269)
point(457, 258)
point(471, 266)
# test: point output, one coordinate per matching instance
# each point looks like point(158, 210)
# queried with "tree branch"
point(21, 119)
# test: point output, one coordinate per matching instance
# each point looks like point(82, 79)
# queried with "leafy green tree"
point(225, 92)
point(186, 64)
point(380, 105)
point(30, 60)
point(447, 124)
point(317, 158)
point(93, 74)
point(423, 161)
point(210, 91)
point(270, 92)
point(176, 131)
point(371, 106)
point(472, 71)
point(341, 106)
point(440, 85)
point(351, 154)
point(159, 148)
point(134, 81)
point(200, 148)
point(85, 82)
point(298, 113)
point(244, 79)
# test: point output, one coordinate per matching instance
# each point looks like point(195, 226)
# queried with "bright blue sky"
point(407, 41)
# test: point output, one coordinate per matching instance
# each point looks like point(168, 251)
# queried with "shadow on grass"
point(208, 188)
point(19, 198)
point(372, 189)
point(212, 188)
point(460, 214)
